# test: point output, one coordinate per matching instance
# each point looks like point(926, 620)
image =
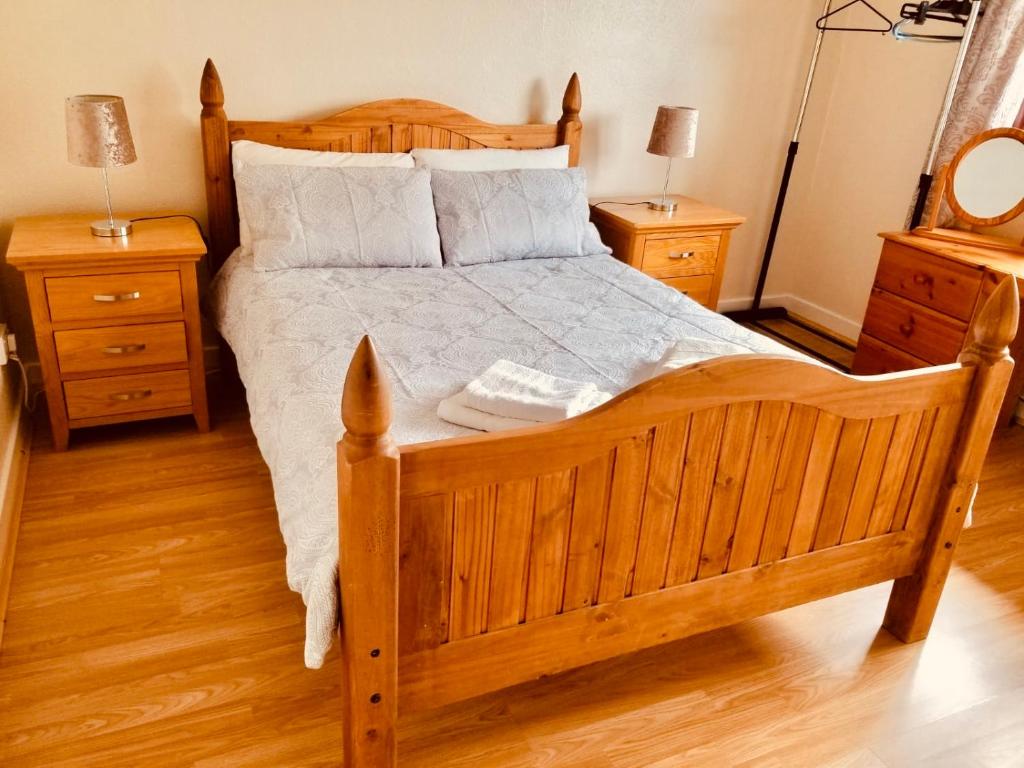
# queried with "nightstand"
point(685, 249)
point(116, 319)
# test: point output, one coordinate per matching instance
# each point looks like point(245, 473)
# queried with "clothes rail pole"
point(794, 146)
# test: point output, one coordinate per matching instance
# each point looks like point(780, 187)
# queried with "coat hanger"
point(822, 22)
point(950, 11)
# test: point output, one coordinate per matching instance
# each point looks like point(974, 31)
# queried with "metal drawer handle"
point(135, 394)
point(681, 255)
point(125, 349)
point(117, 296)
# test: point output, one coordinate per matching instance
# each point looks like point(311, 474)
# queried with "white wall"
point(739, 61)
point(871, 117)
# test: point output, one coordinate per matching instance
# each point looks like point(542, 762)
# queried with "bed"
point(469, 562)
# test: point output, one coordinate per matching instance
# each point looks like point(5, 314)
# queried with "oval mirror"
point(987, 174)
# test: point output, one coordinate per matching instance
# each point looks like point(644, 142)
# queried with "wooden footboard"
point(709, 495)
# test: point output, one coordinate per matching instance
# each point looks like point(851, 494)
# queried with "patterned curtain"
point(991, 89)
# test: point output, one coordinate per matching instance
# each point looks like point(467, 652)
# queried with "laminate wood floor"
point(150, 625)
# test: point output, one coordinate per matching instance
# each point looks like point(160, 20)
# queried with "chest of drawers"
point(116, 320)
point(925, 294)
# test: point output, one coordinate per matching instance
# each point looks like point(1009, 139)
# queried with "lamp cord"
point(176, 216)
point(30, 399)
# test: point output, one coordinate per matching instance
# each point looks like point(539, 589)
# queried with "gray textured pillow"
point(339, 217)
point(490, 216)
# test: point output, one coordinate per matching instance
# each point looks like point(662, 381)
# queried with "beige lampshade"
point(98, 132)
point(674, 133)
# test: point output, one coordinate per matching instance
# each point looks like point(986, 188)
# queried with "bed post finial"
point(570, 128)
point(220, 195)
point(994, 327)
point(368, 467)
point(211, 92)
point(914, 598)
point(366, 401)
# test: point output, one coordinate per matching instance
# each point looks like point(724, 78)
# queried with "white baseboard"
point(843, 326)
point(15, 440)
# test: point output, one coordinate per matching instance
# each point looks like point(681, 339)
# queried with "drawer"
point(914, 329)
point(697, 288)
point(112, 297)
point(678, 256)
point(116, 347)
point(874, 357)
point(940, 284)
point(114, 395)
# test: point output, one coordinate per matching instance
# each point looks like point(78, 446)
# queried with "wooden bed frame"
point(706, 496)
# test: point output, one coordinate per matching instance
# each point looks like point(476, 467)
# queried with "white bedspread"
point(293, 332)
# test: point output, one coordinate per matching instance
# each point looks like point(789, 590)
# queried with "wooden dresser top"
point(690, 213)
point(39, 242)
point(996, 259)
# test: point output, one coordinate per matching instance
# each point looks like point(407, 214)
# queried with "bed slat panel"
point(929, 483)
point(586, 539)
point(909, 486)
point(380, 138)
point(695, 495)
point(757, 489)
point(788, 482)
point(475, 510)
point(841, 479)
point(625, 508)
point(896, 464)
point(511, 552)
point(812, 493)
point(664, 479)
point(865, 488)
point(425, 546)
point(552, 513)
point(737, 438)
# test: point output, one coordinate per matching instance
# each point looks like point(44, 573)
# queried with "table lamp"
point(99, 137)
point(674, 135)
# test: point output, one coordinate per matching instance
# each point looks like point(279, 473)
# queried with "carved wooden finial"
point(211, 93)
point(995, 325)
point(569, 126)
point(572, 101)
point(366, 400)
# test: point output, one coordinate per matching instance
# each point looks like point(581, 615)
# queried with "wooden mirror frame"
point(944, 193)
point(958, 210)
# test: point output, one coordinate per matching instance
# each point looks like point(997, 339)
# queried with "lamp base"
point(111, 228)
point(669, 206)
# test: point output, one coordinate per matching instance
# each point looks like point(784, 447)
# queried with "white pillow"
point(245, 154)
point(301, 216)
point(491, 159)
point(529, 213)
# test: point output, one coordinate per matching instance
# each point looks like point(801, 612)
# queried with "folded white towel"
point(455, 410)
point(683, 352)
point(517, 392)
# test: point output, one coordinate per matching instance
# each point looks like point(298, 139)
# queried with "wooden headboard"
point(391, 125)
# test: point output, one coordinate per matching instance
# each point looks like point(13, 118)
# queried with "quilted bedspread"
point(293, 332)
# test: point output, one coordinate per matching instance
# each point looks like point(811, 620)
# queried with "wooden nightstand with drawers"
point(685, 249)
point(116, 320)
